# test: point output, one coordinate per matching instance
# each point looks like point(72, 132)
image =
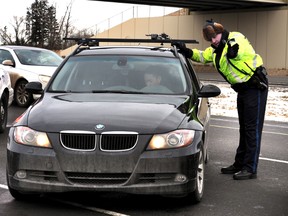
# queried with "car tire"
point(197, 194)
point(3, 113)
point(21, 97)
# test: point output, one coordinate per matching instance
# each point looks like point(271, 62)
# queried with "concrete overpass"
point(207, 5)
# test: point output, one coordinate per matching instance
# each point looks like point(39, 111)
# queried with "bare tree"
point(66, 27)
point(19, 37)
point(68, 30)
point(41, 28)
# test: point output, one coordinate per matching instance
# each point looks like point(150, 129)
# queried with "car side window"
point(194, 75)
point(5, 55)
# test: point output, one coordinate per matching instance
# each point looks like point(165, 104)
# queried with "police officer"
point(235, 59)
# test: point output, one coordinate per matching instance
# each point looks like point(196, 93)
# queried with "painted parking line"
point(3, 186)
point(99, 210)
point(94, 209)
point(236, 121)
point(264, 131)
point(273, 160)
point(236, 128)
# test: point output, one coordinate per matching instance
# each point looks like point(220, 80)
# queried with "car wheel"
point(21, 97)
point(197, 194)
point(3, 113)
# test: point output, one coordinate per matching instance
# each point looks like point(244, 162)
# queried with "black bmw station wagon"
point(132, 119)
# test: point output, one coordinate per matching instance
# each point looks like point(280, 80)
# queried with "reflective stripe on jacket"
point(239, 69)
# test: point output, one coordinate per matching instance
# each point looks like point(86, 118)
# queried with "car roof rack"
point(154, 38)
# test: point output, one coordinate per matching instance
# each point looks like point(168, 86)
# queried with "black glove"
point(188, 53)
point(179, 44)
point(232, 50)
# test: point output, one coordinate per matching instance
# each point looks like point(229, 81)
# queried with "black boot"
point(244, 175)
point(230, 170)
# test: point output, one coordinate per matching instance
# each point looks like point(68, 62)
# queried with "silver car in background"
point(26, 64)
point(6, 97)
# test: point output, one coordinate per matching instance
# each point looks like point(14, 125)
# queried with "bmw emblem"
point(99, 127)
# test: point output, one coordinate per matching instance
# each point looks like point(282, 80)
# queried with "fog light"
point(180, 178)
point(21, 174)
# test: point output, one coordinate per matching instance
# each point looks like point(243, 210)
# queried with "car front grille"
point(117, 178)
point(118, 142)
point(109, 141)
point(97, 178)
point(78, 141)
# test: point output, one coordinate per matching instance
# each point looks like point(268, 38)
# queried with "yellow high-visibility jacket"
point(236, 70)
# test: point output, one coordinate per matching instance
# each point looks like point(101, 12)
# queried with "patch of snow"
point(225, 104)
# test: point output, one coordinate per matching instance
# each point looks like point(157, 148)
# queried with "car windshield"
point(38, 57)
point(121, 74)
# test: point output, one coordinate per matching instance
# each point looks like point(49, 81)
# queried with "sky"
point(85, 13)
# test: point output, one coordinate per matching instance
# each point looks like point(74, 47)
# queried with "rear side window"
point(143, 74)
point(5, 55)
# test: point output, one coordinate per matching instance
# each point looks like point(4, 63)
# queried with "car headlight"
point(44, 79)
point(174, 139)
point(28, 136)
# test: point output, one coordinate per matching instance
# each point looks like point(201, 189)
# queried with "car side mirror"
point(34, 88)
point(209, 91)
point(8, 63)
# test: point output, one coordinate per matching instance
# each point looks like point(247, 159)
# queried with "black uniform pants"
point(251, 105)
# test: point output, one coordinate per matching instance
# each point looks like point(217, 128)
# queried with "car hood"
point(117, 112)
point(43, 70)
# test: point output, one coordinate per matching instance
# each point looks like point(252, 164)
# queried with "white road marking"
point(261, 158)
point(236, 128)
point(236, 121)
point(220, 126)
point(104, 211)
point(274, 160)
point(3, 186)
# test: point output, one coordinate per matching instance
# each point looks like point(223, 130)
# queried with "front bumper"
point(40, 170)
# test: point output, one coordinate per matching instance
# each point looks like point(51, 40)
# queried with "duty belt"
point(258, 80)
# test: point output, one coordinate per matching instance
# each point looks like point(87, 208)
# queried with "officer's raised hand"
point(188, 53)
point(232, 51)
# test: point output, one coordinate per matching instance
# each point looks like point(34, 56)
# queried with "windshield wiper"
point(117, 91)
point(60, 91)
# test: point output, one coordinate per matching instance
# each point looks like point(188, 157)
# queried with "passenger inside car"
point(153, 77)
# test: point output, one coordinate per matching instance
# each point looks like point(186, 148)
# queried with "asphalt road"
point(267, 195)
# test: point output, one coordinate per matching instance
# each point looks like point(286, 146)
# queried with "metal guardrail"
point(133, 12)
